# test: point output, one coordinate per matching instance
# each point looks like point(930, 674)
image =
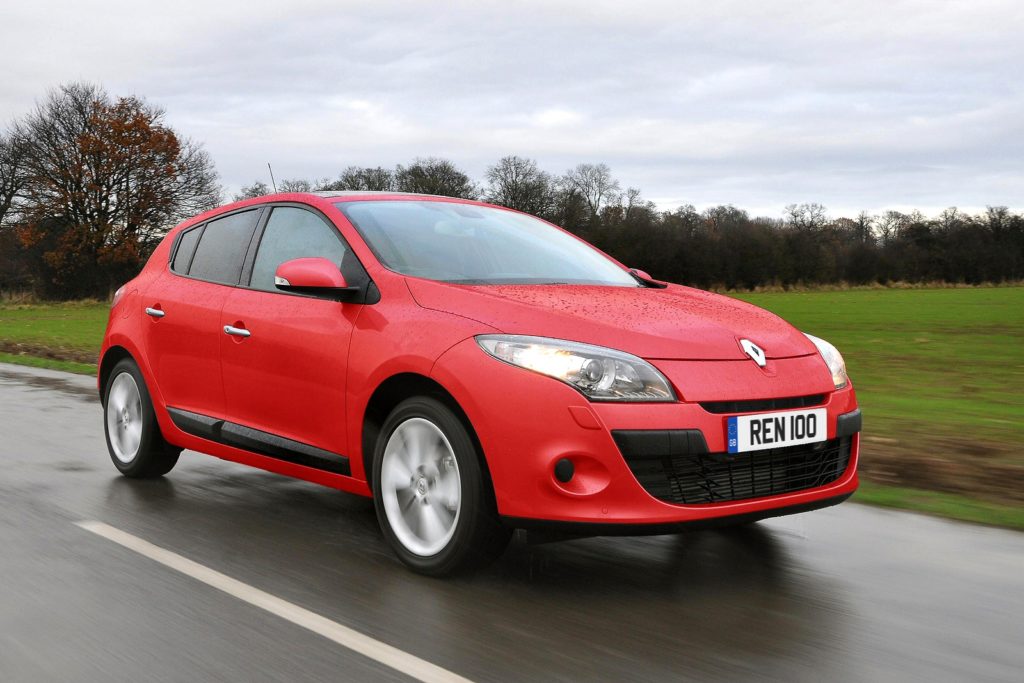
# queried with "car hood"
point(677, 323)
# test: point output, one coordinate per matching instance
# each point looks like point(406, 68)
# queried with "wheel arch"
point(393, 391)
point(111, 357)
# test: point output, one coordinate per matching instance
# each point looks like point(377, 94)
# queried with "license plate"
point(776, 430)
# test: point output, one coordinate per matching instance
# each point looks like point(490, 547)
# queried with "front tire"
point(433, 500)
point(134, 441)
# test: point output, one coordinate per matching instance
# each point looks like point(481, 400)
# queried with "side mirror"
point(646, 279)
point(314, 275)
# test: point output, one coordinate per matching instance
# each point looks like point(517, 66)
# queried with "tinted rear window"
point(222, 248)
point(186, 247)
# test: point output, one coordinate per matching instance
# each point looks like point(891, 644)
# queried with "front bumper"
point(527, 422)
point(558, 530)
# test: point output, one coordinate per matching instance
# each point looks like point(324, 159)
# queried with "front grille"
point(762, 405)
point(678, 468)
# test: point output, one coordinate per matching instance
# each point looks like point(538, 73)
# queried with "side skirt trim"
point(256, 441)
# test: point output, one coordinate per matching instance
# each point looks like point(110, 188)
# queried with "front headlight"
point(598, 373)
point(834, 360)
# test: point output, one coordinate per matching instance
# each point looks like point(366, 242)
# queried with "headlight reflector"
point(834, 360)
point(598, 373)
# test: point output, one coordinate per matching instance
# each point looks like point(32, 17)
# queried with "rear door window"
point(222, 248)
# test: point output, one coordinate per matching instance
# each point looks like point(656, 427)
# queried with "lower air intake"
point(675, 466)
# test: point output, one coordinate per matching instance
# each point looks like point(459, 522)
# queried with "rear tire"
point(433, 499)
point(134, 441)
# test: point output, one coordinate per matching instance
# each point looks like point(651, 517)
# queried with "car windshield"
point(469, 244)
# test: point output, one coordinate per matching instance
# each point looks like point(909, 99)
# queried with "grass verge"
point(950, 505)
point(48, 363)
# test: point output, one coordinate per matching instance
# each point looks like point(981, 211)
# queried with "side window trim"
point(263, 213)
point(245, 277)
point(360, 277)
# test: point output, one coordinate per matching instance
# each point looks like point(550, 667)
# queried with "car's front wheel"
point(134, 441)
point(433, 499)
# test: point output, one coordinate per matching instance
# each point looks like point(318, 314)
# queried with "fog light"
point(564, 470)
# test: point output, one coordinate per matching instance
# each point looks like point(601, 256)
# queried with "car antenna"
point(272, 181)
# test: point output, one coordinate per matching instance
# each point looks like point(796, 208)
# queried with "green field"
point(939, 374)
point(924, 361)
point(71, 331)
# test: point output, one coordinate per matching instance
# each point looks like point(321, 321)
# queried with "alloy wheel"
point(421, 487)
point(124, 417)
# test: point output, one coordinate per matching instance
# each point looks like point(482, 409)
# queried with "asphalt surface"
point(849, 593)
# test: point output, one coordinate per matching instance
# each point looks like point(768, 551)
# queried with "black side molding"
point(256, 441)
point(196, 424)
point(848, 424)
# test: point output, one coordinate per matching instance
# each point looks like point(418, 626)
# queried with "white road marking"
point(387, 655)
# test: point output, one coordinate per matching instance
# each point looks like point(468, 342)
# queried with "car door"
point(285, 366)
point(184, 305)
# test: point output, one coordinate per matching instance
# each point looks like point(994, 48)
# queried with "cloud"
point(906, 103)
point(555, 118)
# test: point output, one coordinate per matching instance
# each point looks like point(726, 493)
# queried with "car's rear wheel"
point(134, 441)
point(433, 499)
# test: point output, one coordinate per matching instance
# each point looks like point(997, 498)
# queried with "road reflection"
point(604, 607)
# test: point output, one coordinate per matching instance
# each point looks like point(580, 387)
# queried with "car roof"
point(331, 194)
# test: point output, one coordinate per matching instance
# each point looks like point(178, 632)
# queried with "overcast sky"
point(856, 105)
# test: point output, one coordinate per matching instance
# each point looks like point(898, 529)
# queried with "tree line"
point(721, 246)
point(89, 183)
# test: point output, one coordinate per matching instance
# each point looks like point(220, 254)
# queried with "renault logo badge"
point(755, 352)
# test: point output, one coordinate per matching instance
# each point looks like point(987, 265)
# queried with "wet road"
point(849, 593)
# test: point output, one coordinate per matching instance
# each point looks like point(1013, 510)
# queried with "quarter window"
point(293, 233)
point(222, 248)
point(186, 247)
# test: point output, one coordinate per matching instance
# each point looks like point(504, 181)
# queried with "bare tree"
point(724, 218)
point(998, 219)
point(257, 189)
point(296, 185)
point(14, 270)
point(593, 182)
point(434, 176)
point(811, 217)
point(951, 219)
point(634, 204)
point(13, 175)
point(889, 226)
point(864, 225)
point(374, 179)
point(519, 184)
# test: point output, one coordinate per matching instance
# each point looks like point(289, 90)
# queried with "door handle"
point(155, 312)
point(236, 331)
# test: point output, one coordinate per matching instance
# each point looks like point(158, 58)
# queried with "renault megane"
point(473, 369)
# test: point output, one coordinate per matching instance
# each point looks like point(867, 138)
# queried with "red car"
point(474, 370)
